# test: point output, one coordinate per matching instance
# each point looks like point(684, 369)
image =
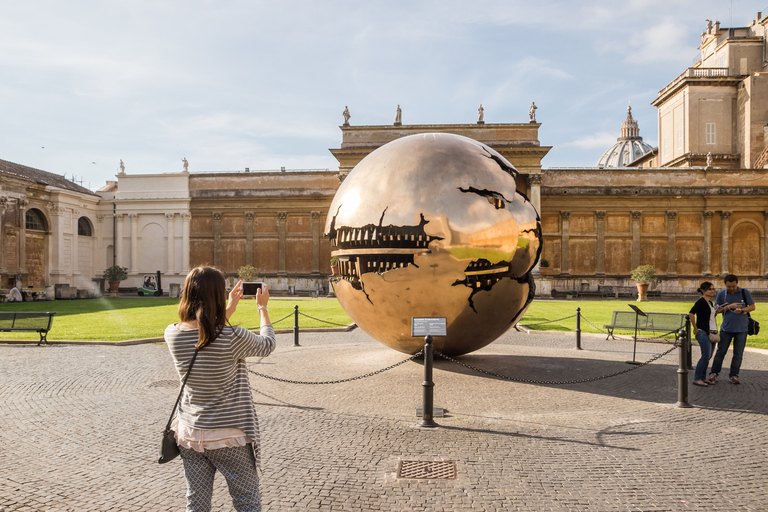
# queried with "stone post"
point(565, 233)
point(671, 242)
point(185, 242)
point(600, 245)
point(315, 229)
point(724, 249)
point(249, 238)
point(134, 242)
point(217, 239)
point(281, 233)
point(171, 226)
point(636, 216)
point(707, 270)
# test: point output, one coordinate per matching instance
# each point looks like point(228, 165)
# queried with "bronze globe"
point(432, 225)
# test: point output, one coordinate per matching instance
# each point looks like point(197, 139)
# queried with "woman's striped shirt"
point(218, 393)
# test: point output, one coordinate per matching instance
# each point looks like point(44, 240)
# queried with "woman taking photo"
point(216, 426)
point(704, 326)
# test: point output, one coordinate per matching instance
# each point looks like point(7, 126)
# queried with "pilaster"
point(565, 236)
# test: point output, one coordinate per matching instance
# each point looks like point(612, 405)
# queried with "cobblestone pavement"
point(80, 429)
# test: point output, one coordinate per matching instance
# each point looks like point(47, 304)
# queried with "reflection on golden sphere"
point(432, 225)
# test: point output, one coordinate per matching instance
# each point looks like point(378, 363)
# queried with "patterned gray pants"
point(238, 466)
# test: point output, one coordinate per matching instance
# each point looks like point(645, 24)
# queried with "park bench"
point(656, 322)
point(39, 322)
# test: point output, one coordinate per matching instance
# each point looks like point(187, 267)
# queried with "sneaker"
point(712, 378)
point(700, 383)
point(735, 380)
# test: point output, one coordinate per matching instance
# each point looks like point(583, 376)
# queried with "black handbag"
point(753, 326)
point(169, 450)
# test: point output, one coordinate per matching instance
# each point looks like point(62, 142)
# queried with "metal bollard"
point(578, 328)
point(429, 387)
point(296, 326)
point(682, 372)
point(689, 362)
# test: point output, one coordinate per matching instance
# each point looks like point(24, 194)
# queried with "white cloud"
point(600, 140)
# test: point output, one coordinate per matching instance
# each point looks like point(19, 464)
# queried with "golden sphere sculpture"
point(432, 225)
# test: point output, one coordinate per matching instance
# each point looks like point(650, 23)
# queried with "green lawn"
point(134, 318)
point(109, 319)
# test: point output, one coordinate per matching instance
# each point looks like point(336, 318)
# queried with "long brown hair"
point(204, 299)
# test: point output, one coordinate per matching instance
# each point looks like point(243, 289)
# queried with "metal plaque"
point(426, 326)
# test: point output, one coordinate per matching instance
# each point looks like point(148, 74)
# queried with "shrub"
point(644, 274)
point(248, 273)
point(116, 273)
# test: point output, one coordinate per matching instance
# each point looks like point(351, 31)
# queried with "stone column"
point(134, 242)
point(75, 243)
point(3, 204)
point(23, 203)
point(281, 233)
point(249, 238)
point(119, 240)
point(724, 228)
point(765, 243)
point(315, 228)
point(600, 245)
point(707, 270)
point(171, 221)
point(185, 242)
point(98, 253)
point(534, 189)
point(565, 234)
point(57, 239)
point(636, 216)
point(671, 242)
point(217, 239)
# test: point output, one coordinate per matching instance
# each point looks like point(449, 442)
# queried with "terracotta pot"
point(642, 292)
point(334, 270)
point(114, 286)
point(544, 271)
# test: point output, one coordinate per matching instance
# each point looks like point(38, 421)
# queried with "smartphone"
point(249, 289)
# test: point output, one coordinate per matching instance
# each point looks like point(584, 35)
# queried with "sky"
point(230, 84)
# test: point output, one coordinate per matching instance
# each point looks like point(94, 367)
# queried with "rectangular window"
point(721, 60)
point(710, 132)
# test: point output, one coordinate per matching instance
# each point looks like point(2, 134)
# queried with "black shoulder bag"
point(169, 450)
point(753, 327)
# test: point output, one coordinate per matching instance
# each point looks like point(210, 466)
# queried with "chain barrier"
point(350, 379)
point(555, 382)
point(617, 336)
point(273, 323)
point(319, 320)
point(549, 321)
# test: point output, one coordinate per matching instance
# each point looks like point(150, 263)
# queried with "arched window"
point(84, 227)
point(35, 220)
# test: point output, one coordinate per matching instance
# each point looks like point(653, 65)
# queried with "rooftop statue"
point(480, 115)
point(398, 116)
point(346, 116)
point(186, 164)
point(532, 112)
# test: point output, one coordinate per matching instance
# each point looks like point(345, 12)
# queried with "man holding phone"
point(734, 303)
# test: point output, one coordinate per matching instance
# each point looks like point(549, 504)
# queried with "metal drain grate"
point(430, 470)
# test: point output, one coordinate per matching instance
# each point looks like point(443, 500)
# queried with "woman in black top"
point(703, 325)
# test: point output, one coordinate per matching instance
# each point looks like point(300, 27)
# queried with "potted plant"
point(113, 275)
point(334, 266)
point(644, 276)
point(544, 267)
